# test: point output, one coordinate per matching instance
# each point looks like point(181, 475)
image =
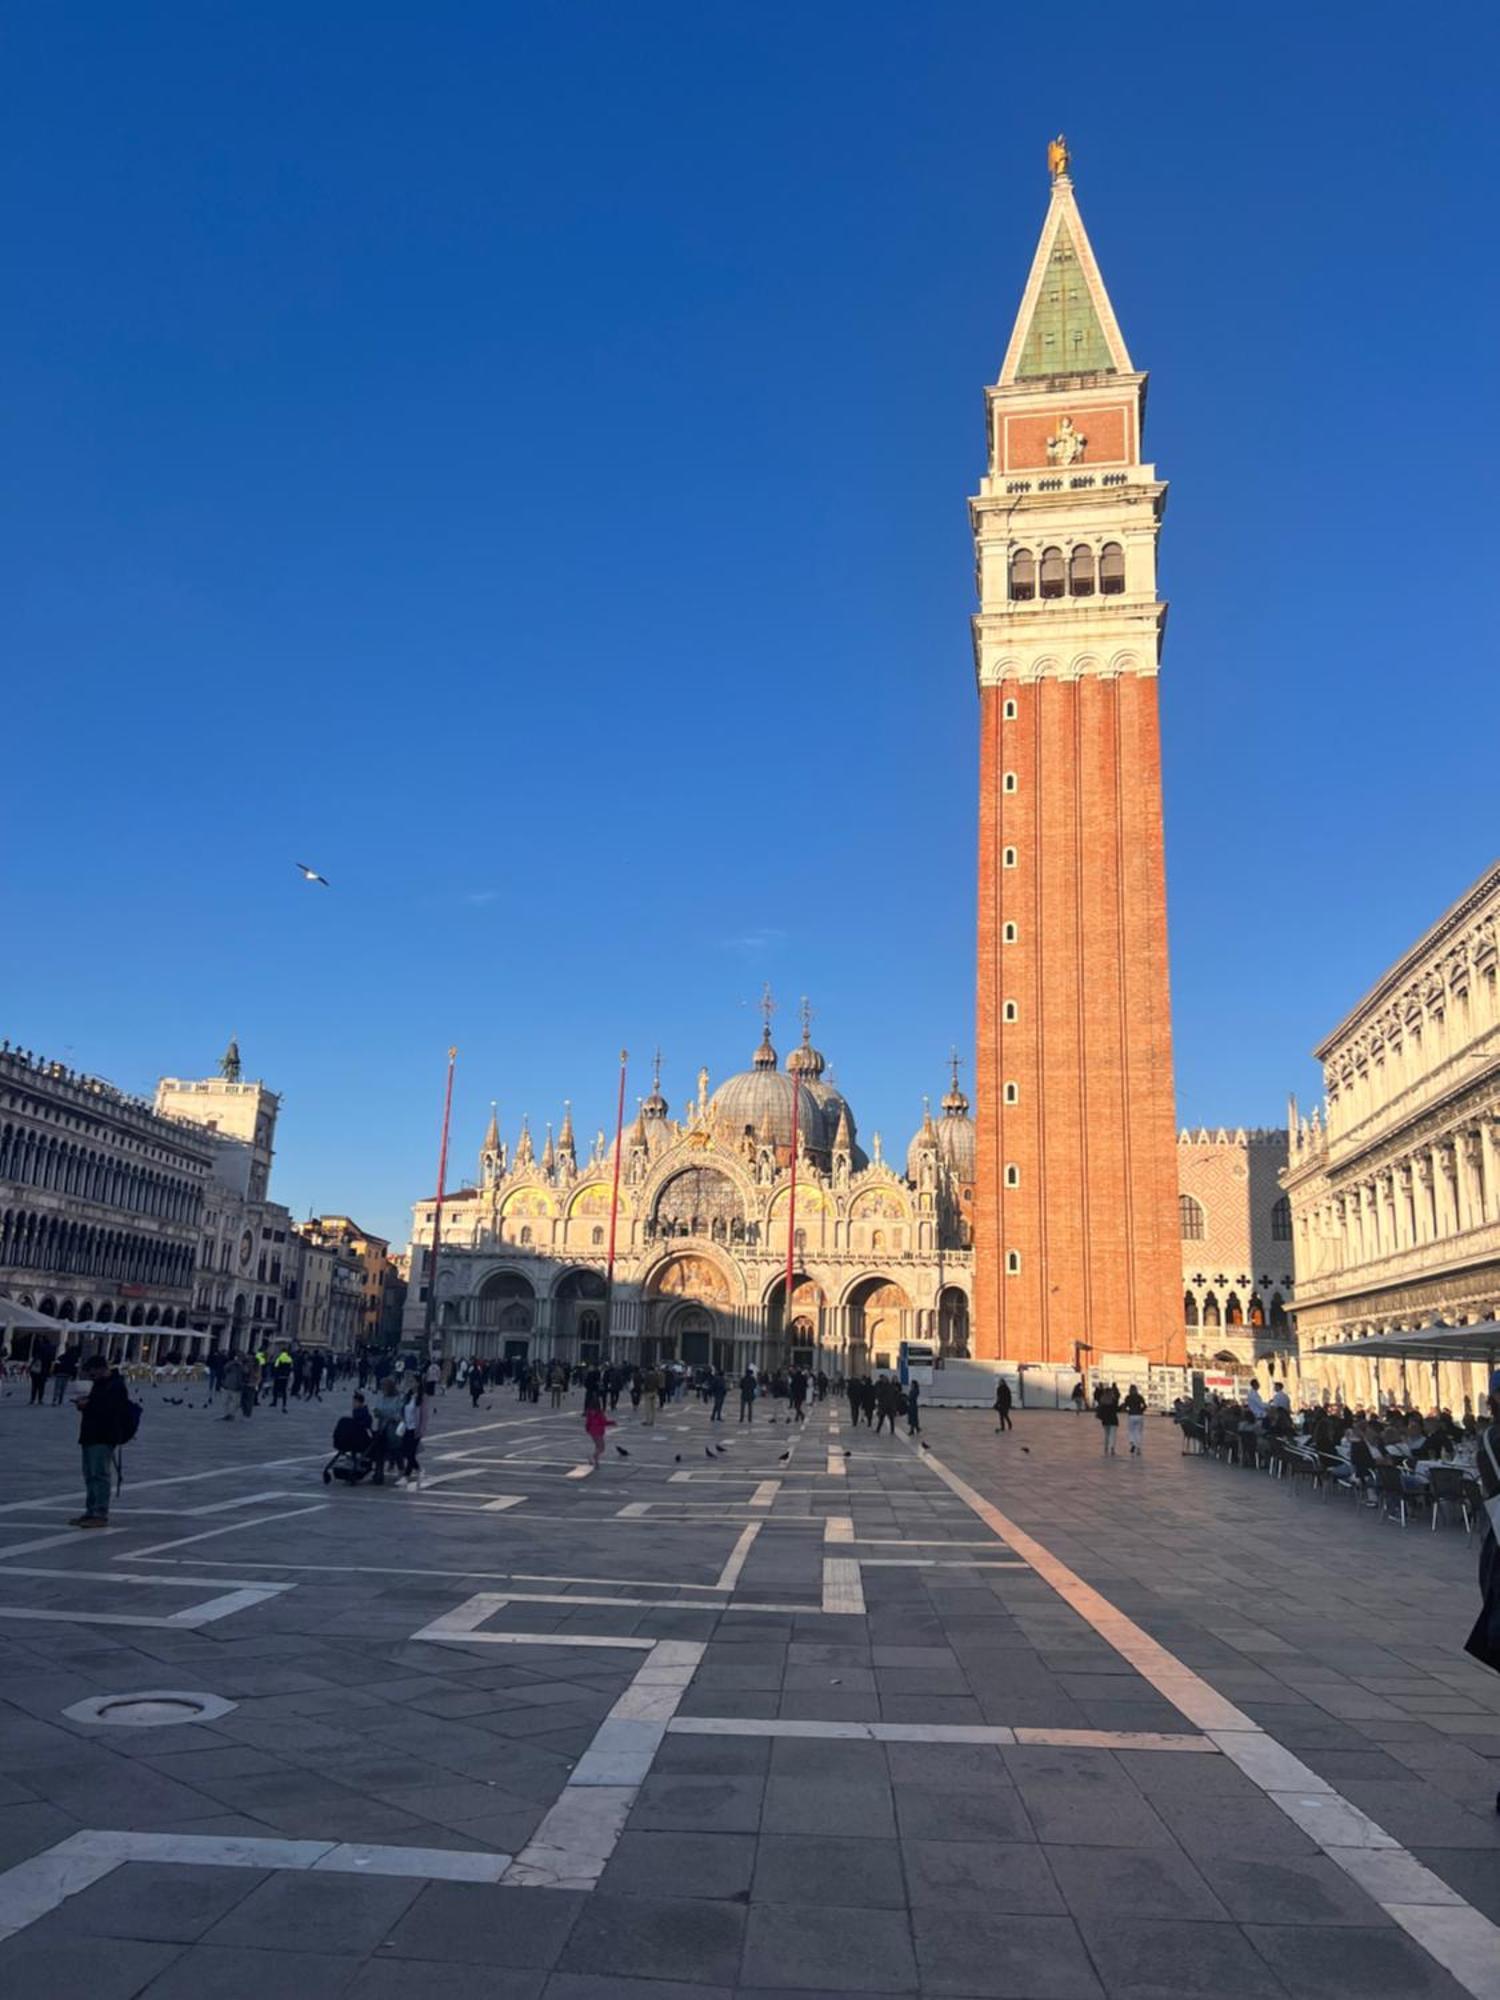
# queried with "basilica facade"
point(707, 1210)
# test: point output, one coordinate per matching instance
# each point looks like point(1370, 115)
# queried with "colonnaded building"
point(1394, 1182)
point(705, 1204)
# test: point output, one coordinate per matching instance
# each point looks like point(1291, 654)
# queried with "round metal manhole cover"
point(154, 1708)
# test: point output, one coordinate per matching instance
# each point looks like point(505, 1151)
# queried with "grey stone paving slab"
point(64, 1968)
point(483, 1925)
point(712, 1803)
point(656, 1937)
point(230, 1973)
point(858, 1807)
point(808, 1757)
point(330, 1913)
point(1252, 1826)
point(397, 1979)
point(681, 1864)
point(1316, 1963)
point(706, 1756)
point(829, 1870)
point(1165, 1959)
point(1104, 1882)
point(994, 1813)
point(1067, 1813)
point(1287, 1889)
point(609, 1986)
point(151, 1900)
point(1419, 1815)
point(802, 1946)
point(1010, 1957)
point(1470, 1871)
point(959, 1875)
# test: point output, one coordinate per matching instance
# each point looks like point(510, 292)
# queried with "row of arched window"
point(1078, 574)
point(123, 1316)
point(35, 1159)
point(1190, 1216)
point(1233, 1313)
point(33, 1242)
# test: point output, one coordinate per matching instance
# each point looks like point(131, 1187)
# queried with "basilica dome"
point(807, 1063)
point(951, 1136)
point(760, 1099)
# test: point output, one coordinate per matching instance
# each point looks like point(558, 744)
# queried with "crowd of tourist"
point(1346, 1445)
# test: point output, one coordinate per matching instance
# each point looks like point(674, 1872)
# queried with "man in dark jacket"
point(887, 1404)
point(103, 1419)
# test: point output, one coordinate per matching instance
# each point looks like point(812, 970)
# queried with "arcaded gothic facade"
point(1236, 1226)
point(705, 1207)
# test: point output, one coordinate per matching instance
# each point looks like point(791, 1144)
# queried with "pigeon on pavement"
point(784, 1457)
point(622, 1451)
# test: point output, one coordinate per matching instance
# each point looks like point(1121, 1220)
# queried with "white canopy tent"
point(1476, 1345)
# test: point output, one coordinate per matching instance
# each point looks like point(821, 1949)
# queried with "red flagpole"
point(614, 1211)
point(791, 1217)
point(429, 1323)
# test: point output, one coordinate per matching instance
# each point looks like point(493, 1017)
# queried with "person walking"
point(747, 1397)
point(718, 1388)
point(476, 1383)
point(281, 1379)
point(414, 1415)
point(39, 1367)
point(651, 1395)
point(103, 1424)
point(386, 1417)
point(1135, 1420)
point(64, 1373)
point(1080, 1397)
point(596, 1423)
point(797, 1395)
point(1107, 1410)
point(887, 1404)
point(1483, 1643)
point(913, 1408)
point(1002, 1406)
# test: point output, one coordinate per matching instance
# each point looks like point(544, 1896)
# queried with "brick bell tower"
point(1076, 1233)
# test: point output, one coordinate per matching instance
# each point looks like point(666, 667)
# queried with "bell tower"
point(1075, 1206)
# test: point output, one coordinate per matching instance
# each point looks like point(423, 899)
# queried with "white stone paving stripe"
point(35, 1888)
point(936, 1732)
point(1462, 1940)
point(572, 1846)
point(842, 1588)
point(729, 1576)
point(229, 1528)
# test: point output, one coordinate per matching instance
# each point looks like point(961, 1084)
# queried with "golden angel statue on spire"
point(1057, 156)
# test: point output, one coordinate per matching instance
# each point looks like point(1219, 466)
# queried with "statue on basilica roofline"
point(1058, 156)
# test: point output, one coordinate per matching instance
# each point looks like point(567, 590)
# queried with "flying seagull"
point(310, 874)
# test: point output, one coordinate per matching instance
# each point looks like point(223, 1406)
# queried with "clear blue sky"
point(514, 458)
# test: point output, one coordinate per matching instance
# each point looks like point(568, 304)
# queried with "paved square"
point(993, 1718)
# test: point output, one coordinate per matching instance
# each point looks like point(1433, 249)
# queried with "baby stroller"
point(353, 1457)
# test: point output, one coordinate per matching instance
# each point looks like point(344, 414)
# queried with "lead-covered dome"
point(759, 1101)
point(951, 1136)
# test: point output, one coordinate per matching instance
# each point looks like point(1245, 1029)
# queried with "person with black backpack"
point(106, 1420)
